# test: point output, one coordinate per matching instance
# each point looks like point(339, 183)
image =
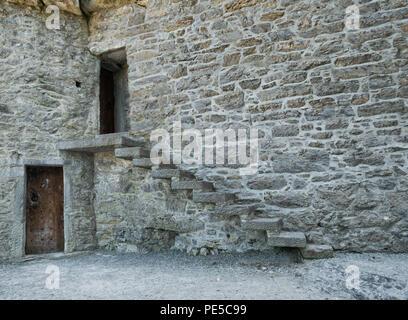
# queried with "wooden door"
point(44, 210)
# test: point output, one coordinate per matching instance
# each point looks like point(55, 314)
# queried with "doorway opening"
point(44, 210)
point(114, 93)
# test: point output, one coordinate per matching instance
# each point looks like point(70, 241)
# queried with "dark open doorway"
point(44, 210)
point(114, 92)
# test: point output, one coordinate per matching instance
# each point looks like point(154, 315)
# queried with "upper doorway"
point(114, 96)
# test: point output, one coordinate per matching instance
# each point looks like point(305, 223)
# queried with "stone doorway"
point(114, 93)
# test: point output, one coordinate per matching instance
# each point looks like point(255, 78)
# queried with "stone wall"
point(330, 104)
point(47, 93)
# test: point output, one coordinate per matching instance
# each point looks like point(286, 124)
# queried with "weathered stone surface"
point(269, 224)
point(72, 6)
point(285, 131)
point(143, 163)
point(267, 183)
point(239, 4)
point(305, 161)
point(92, 6)
point(287, 239)
point(180, 224)
point(382, 108)
point(191, 185)
point(330, 106)
point(234, 209)
point(132, 153)
point(165, 173)
point(212, 197)
point(316, 251)
point(41, 104)
point(288, 200)
point(30, 3)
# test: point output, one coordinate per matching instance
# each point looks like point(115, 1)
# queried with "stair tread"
point(268, 224)
point(168, 173)
point(132, 153)
point(143, 163)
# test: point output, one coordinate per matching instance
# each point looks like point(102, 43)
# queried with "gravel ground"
point(174, 275)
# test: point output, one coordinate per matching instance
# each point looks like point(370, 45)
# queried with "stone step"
point(132, 153)
point(287, 239)
point(143, 163)
point(192, 185)
point(164, 173)
point(212, 197)
point(317, 251)
point(232, 209)
point(270, 224)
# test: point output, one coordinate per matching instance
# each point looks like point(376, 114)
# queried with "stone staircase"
point(225, 203)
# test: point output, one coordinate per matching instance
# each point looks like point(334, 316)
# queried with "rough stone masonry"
point(330, 104)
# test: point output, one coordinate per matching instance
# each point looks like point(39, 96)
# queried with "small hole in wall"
point(78, 84)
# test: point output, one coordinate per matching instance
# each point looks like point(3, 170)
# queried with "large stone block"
point(239, 4)
point(72, 6)
point(267, 183)
point(305, 161)
point(191, 185)
point(288, 199)
point(212, 197)
point(92, 6)
point(268, 224)
point(234, 209)
point(132, 153)
point(287, 239)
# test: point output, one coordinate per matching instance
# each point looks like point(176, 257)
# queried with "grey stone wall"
point(40, 104)
point(330, 104)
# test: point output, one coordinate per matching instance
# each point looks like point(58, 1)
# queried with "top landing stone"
point(100, 143)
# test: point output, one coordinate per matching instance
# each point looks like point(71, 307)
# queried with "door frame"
point(21, 196)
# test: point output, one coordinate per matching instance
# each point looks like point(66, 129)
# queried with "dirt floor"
point(175, 275)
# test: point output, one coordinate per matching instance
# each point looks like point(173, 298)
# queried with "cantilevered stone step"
point(234, 209)
point(287, 239)
point(317, 251)
point(143, 163)
point(101, 143)
point(212, 197)
point(191, 185)
point(132, 153)
point(269, 224)
point(171, 173)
